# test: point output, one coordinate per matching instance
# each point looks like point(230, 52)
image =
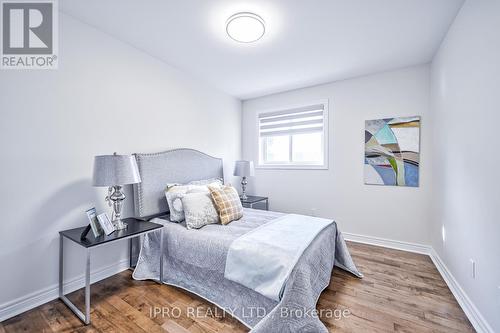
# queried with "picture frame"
point(105, 223)
point(94, 223)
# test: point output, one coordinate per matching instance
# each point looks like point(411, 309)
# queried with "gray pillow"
point(175, 192)
point(199, 210)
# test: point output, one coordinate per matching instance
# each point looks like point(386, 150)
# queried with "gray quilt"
point(195, 260)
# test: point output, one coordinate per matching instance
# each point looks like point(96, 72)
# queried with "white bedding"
point(263, 258)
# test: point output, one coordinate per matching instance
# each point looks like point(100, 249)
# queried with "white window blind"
point(294, 137)
point(307, 119)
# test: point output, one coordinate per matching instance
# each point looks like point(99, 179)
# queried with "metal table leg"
point(87, 289)
point(130, 253)
point(161, 255)
point(83, 317)
point(61, 260)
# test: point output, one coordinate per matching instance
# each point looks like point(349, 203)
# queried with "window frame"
point(261, 146)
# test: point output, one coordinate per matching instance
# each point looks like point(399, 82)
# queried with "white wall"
point(389, 212)
point(106, 96)
point(466, 118)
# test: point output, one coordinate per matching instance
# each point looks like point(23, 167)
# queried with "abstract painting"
point(392, 151)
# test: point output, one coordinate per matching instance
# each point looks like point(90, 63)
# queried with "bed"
point(196, 260)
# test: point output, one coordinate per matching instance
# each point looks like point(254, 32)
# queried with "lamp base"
point(244, 183)
point(115, 198)
point(119, 224)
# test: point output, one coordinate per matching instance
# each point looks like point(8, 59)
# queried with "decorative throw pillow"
point(199, 210)
point(227, 202)
point(174, 201)
point(174, 194)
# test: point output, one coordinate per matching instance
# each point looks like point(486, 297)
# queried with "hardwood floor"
point(401, 292)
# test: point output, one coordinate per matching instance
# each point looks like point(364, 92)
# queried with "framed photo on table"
point(105, 223)
point(94, 223)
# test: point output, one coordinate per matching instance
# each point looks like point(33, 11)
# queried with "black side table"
point(135, 228)
point(252, 200)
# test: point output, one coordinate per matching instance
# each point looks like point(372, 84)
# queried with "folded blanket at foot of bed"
point(263, 258)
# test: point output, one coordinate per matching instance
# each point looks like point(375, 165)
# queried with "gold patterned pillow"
point(227, 202)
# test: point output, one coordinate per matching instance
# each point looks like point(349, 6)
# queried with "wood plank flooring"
point(401, 292)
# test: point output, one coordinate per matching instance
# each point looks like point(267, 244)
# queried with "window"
point(294, 138)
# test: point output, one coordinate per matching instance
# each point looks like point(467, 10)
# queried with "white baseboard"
point(389, 243)
point(477, 320)
point(30, 301)
point(475, 317)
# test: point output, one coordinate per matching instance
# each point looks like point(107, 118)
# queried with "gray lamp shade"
point(111, 170)
point(244, 169)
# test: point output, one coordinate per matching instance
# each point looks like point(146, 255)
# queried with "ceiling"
point(306, 42)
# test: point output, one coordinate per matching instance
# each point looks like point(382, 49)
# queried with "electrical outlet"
point(472, 268)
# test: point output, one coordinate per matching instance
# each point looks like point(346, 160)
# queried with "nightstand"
point(253, 201)
point(135, 228)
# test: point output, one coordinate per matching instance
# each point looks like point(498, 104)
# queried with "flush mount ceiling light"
point(245, 27)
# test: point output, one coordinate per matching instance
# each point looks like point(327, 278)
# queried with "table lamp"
point(114, 171)
point(244, 169)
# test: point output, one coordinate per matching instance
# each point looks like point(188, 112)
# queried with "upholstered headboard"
point(172, 166)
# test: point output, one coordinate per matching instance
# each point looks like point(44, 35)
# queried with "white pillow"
point(174, 194)
point(199, 210)
point(209, 181)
